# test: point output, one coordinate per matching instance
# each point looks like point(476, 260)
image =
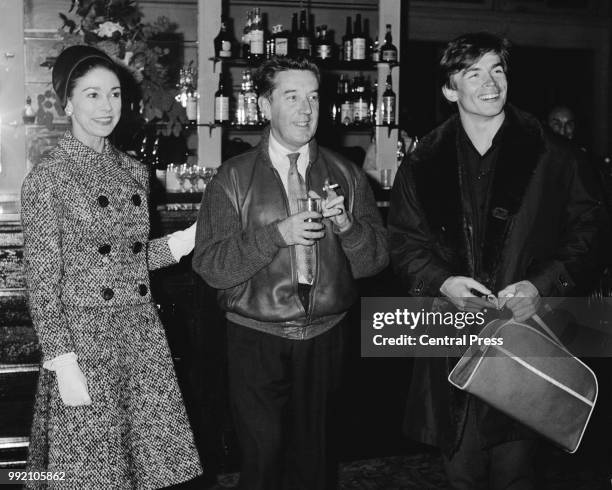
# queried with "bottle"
point(347, 41)
point(241, 105)
point(372, 102)
point(303, 38)
point(360, 102)
point(29, 116)
point(323, 45)
point(250, 100)
point(223, 43)
point(369, 46)
point(375, 51)
point(246, 32)
point(256, 37)
point(191, 106)
point(359, 41)
point(281, 40)
point(388, 104)
point(294, 35)
point(346, 107)
point(221, 103)
point(388, 52)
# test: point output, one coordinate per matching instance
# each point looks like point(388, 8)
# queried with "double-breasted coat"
point(87, 258)
point(543, 223)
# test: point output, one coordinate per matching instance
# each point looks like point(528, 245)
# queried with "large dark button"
point(108, 293)
point(563, 281)
point(419, 288)
point(142, 289)
point(103, 201)
point(137, 247)
point(104, 249)
point(136, 200)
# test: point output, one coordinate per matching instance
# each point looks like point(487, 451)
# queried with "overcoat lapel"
point(520, 151)
point(441, 189)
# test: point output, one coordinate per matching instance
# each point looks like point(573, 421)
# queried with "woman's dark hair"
point(85, 67)
point(266, 73)
point(467, 49)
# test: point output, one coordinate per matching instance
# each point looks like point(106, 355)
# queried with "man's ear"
point(449, 93)
point(264, 107)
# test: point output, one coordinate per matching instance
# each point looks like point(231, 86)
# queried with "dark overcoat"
point(88, 256)
point(542, 221)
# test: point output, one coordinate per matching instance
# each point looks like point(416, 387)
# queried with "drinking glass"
point(310, 204)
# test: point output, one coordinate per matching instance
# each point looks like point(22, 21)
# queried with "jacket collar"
point(110, 163)
point(313, 148)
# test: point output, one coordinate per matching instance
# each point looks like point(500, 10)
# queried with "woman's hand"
point(182, 242)
point(71, 381)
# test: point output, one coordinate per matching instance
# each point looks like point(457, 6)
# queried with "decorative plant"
point(116, 27)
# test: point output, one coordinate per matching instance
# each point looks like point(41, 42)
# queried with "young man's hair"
point(266, 73)
point(467, 49)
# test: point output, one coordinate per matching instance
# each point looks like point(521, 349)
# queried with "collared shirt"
point(278, 157)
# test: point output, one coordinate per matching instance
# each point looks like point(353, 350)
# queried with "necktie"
point(296, 189)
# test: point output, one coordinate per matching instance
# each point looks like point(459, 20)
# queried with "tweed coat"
point(544, 220)
point(87, 257)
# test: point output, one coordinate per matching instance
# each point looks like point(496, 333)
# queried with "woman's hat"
point(67, 62)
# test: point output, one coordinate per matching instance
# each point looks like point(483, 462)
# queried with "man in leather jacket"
point(488, 203)
point(284, 324)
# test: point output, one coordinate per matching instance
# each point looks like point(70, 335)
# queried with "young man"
point(285, 283)
point(488, 203)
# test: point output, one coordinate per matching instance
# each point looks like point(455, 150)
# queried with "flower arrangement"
point(116, 27)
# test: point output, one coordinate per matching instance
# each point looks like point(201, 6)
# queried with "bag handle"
point(536, 318)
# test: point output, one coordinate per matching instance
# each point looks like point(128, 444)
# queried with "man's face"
point(480, 89)
point(293, 108)
point(561, 120)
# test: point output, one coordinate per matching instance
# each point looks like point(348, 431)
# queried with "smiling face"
point(95, 105)
point(480, 90)
point(292, 108)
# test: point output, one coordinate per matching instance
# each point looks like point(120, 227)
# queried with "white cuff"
point(182, 242)
point(60, 361)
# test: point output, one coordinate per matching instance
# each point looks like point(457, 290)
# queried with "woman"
point(108, 411)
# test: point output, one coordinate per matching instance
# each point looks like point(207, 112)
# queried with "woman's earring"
point(68, 112)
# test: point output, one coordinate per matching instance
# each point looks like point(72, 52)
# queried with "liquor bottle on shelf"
point(360, 102)
point(346, 107)
point(188, 94)
point(250, 100)
point(369, 46)
point(241, 103)
point(246, 33)
point(223, 43)
point(222, 99)
point(323, 45)
point(280, 40)
point(359, 41)
point(388, 52)
point(375, 53)
point(388, 104)
point(294, 35)
point(303, 37)
point(372, 104)
point(347, 41)
point(256, 37)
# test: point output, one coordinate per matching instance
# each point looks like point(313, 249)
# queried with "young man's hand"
point(521, 298)
point(460, 291)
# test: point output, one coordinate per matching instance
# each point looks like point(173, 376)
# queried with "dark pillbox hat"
point(67, 62)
